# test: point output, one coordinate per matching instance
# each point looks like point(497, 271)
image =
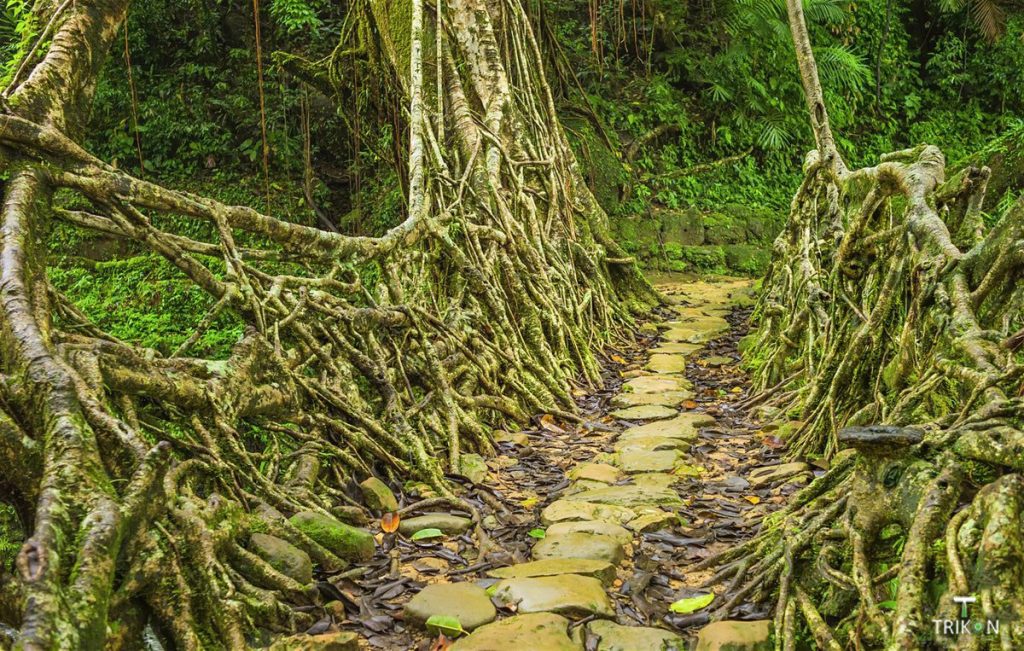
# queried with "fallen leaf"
point(773, 442)
point(736, 390)
point(689, 404)
point(547, 422)
point(389, 522)
point(536, 533)
point(753, 499)
point(692, 604)
point(445, 625)
point(442, 643)
point(426, 534)
point(618, 359)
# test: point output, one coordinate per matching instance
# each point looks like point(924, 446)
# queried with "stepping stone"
point(583, 485)
point(579, 545)
point(473, 467)
point(656, 384)
point(662, 363)
point(601, 472)
point(566, 510)
point(630, 496)
point(635, 461)
point(654, 480)
point(683, 426)
point(337, 641)
point(675, 348)
point(665, 398)
point(283, 556)
point(686, 333)
point(711, 325)
point(645, 412)
point(718, 360)
point(466, 601)
point(601, 570)
point(615, 637)
point(378, 496)
point(728, 635)
point(652, 443)
point(532, 631)
point(653, 521)
point(451, 525)
point(344, 541)
point(568, 594)
point(770, 474)
point(592, 526)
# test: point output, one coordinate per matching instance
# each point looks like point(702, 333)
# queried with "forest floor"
point(591, 526)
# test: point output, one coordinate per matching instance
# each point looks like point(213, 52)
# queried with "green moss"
point(344, 541)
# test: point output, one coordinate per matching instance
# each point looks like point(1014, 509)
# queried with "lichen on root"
point(142, 476)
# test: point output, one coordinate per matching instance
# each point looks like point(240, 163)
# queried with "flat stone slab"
point(665, 398)
point(769, 474)
point(566, 510)
point(578, 544)
point(683, 426)
point(718, 360)
point(634, 461)
point(663, 363)
point(656, 384)
point(654, 521)
point(630, 496)
point(675, 348)
point(568, 594)
point(615, 637)
point(592, 526)
point(601, 570)
point(466, 601)
point(452, 525)
point(545, 631)
point(336, 641)
point(652, 443)
point(687, 333)
point(728, 635)
point(645, 412)
point(654, 480)
point(601, 472)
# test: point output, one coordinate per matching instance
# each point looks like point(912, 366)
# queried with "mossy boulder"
point(747, 259)
point(639, 234)
point(283, 556)
point(378, 496)
point(685, 227)
point(344, 541)
point(722, 228)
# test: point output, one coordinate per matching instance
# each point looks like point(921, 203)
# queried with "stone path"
point(561, 597)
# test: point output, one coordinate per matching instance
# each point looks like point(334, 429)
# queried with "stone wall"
point(734, 239)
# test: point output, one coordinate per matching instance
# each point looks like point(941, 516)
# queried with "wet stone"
point(451, 525)
point(718, 360)
point(770, 474)
point(465, 601)
point(600, 472)
point(644, 412)
point(601, 570)
point(283, 556)
point(654, 480)
point(592, 526)
point(569, 510)
point(630, 496)
point(653, 521)
point(652, 443)
point(337, 641)
point(664, 398)
point(615, 637)
point(579, 545)
point(568, 594)
point(545, 631)
point(666, 363)
point(656, 384)
point(636, 461)
point(344, 541)
point(683, 426)
point(675, 348)
point(735, 636)
point(378, 496)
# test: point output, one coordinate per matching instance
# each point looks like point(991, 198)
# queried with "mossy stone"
point(283, 556)
point(378, 496)
point(344, 541)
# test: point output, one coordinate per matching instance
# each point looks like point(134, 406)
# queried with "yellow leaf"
point(753, 499)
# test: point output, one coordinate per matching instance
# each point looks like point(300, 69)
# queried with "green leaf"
point(426, 534)
point(691, 604)
point(888, 605)
point(536, 533)
point(450, 626)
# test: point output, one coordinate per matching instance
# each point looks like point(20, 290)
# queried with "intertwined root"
point(144, 475)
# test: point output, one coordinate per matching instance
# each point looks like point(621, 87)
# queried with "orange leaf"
point(618, 359)
point(689, 404)
point(547, 421)
point(442, 643)
point(389, 522)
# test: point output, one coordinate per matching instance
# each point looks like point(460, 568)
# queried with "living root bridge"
point(140, 476)
point(889, 300)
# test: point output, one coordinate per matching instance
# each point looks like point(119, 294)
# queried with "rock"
point(615, 637)
point(283, 556)
point(656, 384)
point(630, 496)
point(378, 496)
point(653, 521)
point(665, 398)
point(531, 631)
point(635, 461)
point(666, 363)
point(450, 524)
point(682, 226)
point(336, 609)
point(654, 480)
point(344, 541)
point(644, 412)
point(600, 472)
point(718, 360)
point(592, 526)
point(473, 468)
point(652, 443)
point(675, 348)
point(466, 601)
point(728, 635)
point(766, 475)
point(601, 570)
point(337, 641)
point(748, 258)
point(568, 510)
point(582, 485)
point(566, 594)
point(683, 426)
point(579, 545)
point(519, 438)
point(687, 333)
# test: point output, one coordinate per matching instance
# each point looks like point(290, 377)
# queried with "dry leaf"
point(753, 499)
point(389, 522)
point(618, 359)
point(547, 421)
point(689, 404)
point(442, 643)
